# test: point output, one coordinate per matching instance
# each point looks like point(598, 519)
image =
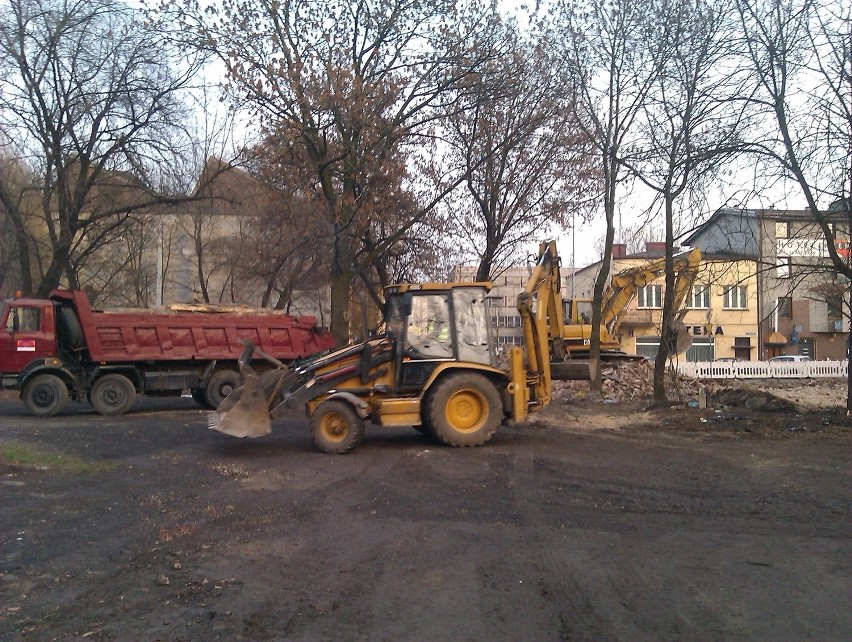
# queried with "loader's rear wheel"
point(336, 427)
point(112, 394)
point(464, 410)
point(221, 384)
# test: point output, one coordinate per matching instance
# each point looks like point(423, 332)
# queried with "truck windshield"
point(22, 319)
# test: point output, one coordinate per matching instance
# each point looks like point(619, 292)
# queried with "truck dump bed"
point(149, 335)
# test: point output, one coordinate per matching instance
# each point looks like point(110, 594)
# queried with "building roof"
point(834, 212)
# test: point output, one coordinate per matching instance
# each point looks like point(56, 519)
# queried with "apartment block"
point(801, 297)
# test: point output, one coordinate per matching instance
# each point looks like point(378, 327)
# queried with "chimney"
point(655, 248)
point(619, 250)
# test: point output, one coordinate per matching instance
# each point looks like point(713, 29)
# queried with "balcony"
point(638, 318)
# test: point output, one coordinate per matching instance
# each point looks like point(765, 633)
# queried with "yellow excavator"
point(624, 285)
point(435, 366)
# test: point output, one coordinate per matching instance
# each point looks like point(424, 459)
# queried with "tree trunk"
point(22, 249)
point(668, 336)
point(340, 285)
point(59, 264)
point(611, 179)
point(848, 350)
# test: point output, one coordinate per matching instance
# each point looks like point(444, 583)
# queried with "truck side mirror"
point(16, 322)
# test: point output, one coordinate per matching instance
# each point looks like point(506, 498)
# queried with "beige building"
point(722, 312)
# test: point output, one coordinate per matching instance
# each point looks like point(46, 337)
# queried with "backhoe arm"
point(543, 326)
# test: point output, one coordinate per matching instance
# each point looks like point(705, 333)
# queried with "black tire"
point(425, 427)
point(112, 394)
point(464, 410)
point(199, 396)
point(336, 427)
point(221, 384)
point(44, 395)
point(269, 380)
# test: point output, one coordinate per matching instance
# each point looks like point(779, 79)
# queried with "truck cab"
point(27, 336)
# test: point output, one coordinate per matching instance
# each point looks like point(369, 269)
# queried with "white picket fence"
point(763, 369)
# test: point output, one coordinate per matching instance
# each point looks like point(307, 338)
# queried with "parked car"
point(787, 358)
point(729, 359)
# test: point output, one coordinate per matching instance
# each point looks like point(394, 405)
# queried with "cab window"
point(23, 319)
point(428, 334)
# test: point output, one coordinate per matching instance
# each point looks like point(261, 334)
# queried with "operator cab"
point(431, 324)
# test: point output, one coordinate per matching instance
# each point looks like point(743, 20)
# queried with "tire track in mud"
point(553, 561)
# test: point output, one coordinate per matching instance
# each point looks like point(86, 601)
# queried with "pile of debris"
point(634, 380)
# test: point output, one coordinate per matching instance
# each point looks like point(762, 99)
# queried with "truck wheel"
point(336, 427)
point(464, 410)
point(269, 380)
point(221, 384)
point(44, 395)
point(199, 396)
point(112, 394)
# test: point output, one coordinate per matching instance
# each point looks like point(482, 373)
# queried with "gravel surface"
point(595, 521)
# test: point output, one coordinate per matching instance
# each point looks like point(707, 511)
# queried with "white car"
point(788, 358)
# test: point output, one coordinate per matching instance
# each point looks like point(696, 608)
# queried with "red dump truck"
point(59, 348)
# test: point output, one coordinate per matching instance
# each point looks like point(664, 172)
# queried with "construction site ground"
point(601, 519)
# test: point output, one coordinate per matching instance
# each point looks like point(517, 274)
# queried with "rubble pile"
point(634, 380)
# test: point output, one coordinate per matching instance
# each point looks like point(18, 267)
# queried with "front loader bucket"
point(244, 412)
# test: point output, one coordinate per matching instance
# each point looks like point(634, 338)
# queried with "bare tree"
point(613, 71)
point(687, 127)
point(525, 160)
point(353, 83)
point(88, 97)
point(800, 54)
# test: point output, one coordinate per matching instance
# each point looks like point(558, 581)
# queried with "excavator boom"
point(622, 289)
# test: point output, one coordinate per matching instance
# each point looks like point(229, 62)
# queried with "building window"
point(650, 296)
point(783, 267)
point(648, 347)
point(782, 229)
point(500, 321)
point(700, 297)
point(700, 350)
point(742, 348)
point(785, 307)
point(835, 307)
point(735, 298)
point(838, 231)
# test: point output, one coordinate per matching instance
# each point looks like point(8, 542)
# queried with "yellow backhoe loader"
point(624, 285)
point(435, 366)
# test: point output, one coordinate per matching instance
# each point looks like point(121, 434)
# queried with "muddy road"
point(151, 527)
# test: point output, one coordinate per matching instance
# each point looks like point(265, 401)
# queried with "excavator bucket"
point(244, 412)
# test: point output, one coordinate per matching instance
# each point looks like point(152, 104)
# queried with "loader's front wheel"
point(336, 427)
point(464, 410)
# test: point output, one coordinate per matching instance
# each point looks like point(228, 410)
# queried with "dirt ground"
point(595, 521)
